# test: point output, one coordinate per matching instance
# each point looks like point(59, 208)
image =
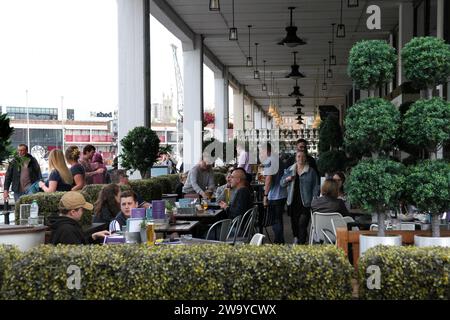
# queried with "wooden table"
point(345, 237)
point(181, 227)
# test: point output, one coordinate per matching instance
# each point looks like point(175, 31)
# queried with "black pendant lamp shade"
point(299, 112)
point(256, 72)
point(298, 103)
point(249, 58)
point(295, 73)
point(332, 57)
point(352, 3)
point(291, 39)
point(214, 5)
point(264, 86)
point(340, 31)
point(299, 118)
point(324, 83)
point(233, 36)
point(296, 92)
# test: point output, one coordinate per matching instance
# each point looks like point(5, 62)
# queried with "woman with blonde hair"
point(60, 178)
point(72, 155)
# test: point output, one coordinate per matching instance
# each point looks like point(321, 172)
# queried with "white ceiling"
point(269, 18)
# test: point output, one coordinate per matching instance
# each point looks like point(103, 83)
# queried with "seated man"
point(242, 200)
point(200, 179)
point(120, 177)
point(128, 201)
point(329, 201)
point(66, 228)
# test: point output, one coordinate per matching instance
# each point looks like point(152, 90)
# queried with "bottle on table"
point(34, 213)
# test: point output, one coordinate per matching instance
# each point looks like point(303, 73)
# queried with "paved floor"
point(288, 237)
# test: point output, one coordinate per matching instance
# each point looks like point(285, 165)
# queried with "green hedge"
point(407, 273)
point(8, 254)
point(147, 188)
point(174, 180)
point(205, 272)
point(92, 191)
point(164, 182)
point(48, 205)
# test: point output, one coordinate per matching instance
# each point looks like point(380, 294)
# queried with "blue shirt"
point(273, 167)
point(61, 186)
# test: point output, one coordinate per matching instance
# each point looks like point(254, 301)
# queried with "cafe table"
point(180, 227)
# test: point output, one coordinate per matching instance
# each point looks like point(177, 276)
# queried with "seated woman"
point(107, 205)
point(60, 178)
point(220, 194)
point(329, 201)
point(339, 177)
point(72, 156)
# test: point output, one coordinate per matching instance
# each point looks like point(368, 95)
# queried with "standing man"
point(22, 173)
point(274, 194)
point(88, 153)
point(244, 159)
point(200, 179)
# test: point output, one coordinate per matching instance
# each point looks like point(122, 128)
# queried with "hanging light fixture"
point(256, 72)
point(298, 103)
point(291, 39)
point(264, 86)
point(233, 31)
point(295, 73)
point(299, 111)
point(329, 71)
point(296, 92)
point(352, 3)
point(249, 58)
point(340, 32)
point(324, 83)
point(332, 56)
point(214, 5)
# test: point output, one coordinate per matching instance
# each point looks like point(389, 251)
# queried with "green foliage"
point(375, 184)
point(426, 61)
point(140, 149)
point(427, 185)
point(92, 191)
point(371, 63)
point(407, 273)
point(331, 161)
point(330, 134)
point(48, 205)
point(371, 125)
point(5, 134)
point(149, 189)
point(8, 254)
point(165, 183)
point(174, 179)
point(427, 123)
point(203, 272)
point(165, 148)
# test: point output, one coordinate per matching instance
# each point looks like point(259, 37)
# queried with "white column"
point(193, 104)
point(405, 32)
point(258, 120)
point(221, 104)
point(131, 67)
point(248, 114)
point(238, 109)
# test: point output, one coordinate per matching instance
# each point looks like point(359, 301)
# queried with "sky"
point(64, 48)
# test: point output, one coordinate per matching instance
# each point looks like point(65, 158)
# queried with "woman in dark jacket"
point(329, 201)
point(107, 205)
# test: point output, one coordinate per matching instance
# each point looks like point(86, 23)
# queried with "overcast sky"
point(67, 48)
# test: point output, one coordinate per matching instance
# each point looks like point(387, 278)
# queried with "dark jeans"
point(276, 208)
point(299, 222)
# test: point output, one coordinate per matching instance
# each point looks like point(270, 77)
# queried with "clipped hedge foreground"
point(407, 273)
point(181, 272)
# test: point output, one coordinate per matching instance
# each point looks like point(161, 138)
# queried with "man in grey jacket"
point(200, 179)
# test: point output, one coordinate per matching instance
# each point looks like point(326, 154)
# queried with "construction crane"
point(180, 98)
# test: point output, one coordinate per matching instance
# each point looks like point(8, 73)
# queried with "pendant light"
point(352, 3)
point(233, 36)
point(332, 56)
point(340, 32)
point(298, 103)
point(256, 72)
point(291, 39)
point(295, 73)
point(299, 111)
point(249, 58)
point(264, 86)
point(329, 71)
point(296, 92)
point(214, 5)
point(324, 83)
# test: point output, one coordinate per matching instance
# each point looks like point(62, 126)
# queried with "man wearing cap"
point(66, 228)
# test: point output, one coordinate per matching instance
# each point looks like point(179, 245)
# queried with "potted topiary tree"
point(5, 134)
point(140, 149)
point(428, 187)
point(376, 185)
point(330, 141)
point(371, 63)
point(426, 62)
point(427, 124)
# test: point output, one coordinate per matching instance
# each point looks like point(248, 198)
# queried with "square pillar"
point(221, 104)
point(238, 110)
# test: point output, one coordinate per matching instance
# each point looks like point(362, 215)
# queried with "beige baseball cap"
point(74, 200)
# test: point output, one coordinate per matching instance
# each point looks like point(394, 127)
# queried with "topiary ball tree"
point(330, 134)
point(426, 62)
point(427, 124)
point(371, 125)
point(427, 185)
point(376, 185)
point(331, 161)
point(371, 63)
point(140, 148)
point(5, 134)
